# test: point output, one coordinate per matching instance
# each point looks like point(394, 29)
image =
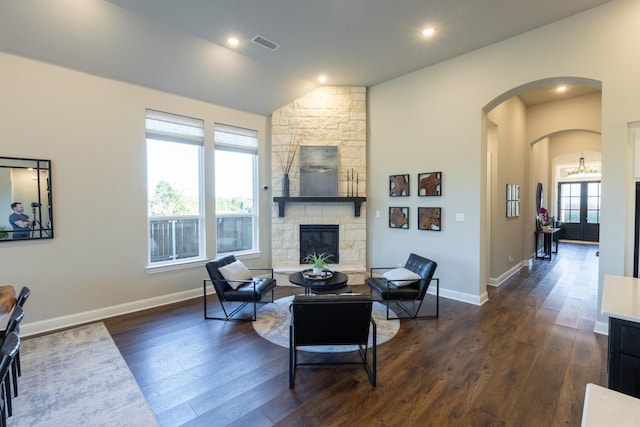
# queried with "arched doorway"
point(528, 115)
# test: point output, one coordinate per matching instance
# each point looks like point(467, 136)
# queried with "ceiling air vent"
point(265, 42)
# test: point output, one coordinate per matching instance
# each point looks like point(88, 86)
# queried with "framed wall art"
point(430, 184)
point(429, 219)
point(318, 170)
point(398, 185)
point(513, 200)
point(399, 217)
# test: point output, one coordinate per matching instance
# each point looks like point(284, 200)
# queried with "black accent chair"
point(415, 291)
point(249, 292)
point(327, 320)
point(8, 350)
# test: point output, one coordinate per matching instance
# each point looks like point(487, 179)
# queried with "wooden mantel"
point(357, 201)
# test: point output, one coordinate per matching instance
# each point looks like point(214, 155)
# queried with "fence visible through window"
point(234, 234)
point(173, 238)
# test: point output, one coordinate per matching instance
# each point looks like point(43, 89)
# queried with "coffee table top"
point(337, 281)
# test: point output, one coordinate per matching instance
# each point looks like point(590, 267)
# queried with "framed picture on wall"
point(429, 219)
point(398, 185)
point(399, 217)
point(513, 200)
point(430, 184)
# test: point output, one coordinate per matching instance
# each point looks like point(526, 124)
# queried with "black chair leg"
point(14, 376)
point(3, 412)
point(7, 396)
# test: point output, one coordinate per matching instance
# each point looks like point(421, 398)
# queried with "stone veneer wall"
point(328, 116)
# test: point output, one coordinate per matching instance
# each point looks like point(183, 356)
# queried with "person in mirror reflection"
point(20, 222)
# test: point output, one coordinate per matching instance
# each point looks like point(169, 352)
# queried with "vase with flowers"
point(545, 221)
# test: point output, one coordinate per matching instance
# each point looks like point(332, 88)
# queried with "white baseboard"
point(601, 328)
point(497, 281)
point(27, 329)
point(461, 296)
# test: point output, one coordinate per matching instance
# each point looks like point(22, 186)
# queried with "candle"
point(356, 184)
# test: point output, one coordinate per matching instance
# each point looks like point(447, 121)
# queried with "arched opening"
point(532, 134)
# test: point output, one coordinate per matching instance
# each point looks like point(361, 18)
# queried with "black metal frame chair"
point(13, 325)
point(323, 320)
point(8, 351)
point(415, 291)
point(17, 314)
point(249, 292)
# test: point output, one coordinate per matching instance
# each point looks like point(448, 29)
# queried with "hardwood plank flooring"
point(522, 359)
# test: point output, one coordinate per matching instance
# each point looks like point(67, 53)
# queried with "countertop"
point(621, 297)
point(605, 407)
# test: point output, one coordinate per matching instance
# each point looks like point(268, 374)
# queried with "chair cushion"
point(236, 274)
point(401, 276)
point(379, 285)
point(245, 290)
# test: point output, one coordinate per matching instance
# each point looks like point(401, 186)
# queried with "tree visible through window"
point(174, 158)
point(236, 189)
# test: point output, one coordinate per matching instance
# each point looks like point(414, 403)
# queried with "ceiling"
point(180, 47)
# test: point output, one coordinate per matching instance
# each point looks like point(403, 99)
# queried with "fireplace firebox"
point(320, 238)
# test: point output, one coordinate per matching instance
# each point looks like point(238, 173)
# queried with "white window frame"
point(180, 130)
point(241, 140)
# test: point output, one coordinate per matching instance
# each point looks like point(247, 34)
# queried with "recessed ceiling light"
point(233, 41)
point(561, 89)
point(428, 32)
point(322, 78)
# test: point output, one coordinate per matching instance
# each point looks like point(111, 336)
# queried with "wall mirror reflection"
point(26, 202)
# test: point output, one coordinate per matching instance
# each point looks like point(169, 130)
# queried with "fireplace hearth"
point(320, 238)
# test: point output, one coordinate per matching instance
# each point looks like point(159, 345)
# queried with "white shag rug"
point(77, 377)
point(273, 324)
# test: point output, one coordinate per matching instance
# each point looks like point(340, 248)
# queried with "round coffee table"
point(337, 282)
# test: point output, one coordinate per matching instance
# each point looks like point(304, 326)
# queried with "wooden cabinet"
point(624, 356)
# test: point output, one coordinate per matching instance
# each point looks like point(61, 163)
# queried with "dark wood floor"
point(521, 359)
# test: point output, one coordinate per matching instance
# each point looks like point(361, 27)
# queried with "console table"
point(621, 302)
point(548, 238)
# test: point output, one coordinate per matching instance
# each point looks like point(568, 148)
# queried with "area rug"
point(273, 324)
point(77, 377)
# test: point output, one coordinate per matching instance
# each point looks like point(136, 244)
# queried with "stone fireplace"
point(328, 116)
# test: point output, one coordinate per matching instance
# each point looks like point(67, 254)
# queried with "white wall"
point(93, 131)
point(431, 119)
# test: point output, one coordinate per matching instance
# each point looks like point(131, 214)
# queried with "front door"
point(579, 204)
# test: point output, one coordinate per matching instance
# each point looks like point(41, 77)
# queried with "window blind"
point(235, 138)
point(173, 127)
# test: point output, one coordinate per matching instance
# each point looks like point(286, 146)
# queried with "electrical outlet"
point(510, 258)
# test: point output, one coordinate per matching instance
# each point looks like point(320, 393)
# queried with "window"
point(174, 202)
point(236, 189)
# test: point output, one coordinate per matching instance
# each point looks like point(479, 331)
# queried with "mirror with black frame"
point(539, 204)
point(26, 203)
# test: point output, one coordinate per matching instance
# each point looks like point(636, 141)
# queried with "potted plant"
point(319, 261)
point(3, 233)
